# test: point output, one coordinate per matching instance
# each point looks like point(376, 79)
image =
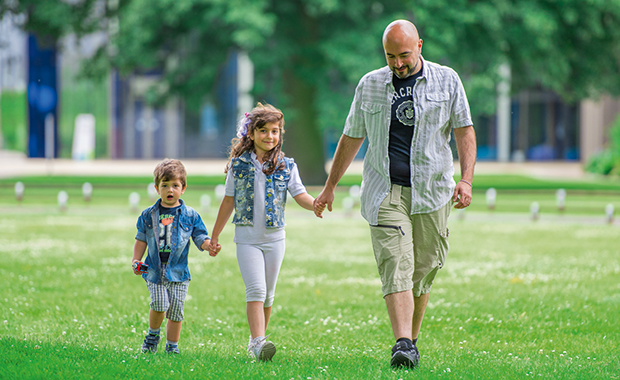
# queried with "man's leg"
point(401, 310)
point(418, 314)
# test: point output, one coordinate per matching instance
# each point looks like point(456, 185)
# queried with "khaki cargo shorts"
point(409, 249)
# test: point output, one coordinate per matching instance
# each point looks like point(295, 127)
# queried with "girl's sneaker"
point(262, 349)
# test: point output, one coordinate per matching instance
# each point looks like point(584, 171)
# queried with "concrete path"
point(14, 164)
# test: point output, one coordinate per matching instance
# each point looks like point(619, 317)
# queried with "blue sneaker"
point(405, 354)
point(172, 349)
point(150, 343)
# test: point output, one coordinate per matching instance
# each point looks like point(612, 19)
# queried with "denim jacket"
point(276, 186)
point(189, 224)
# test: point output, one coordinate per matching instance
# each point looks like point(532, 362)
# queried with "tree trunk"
point(303, 140)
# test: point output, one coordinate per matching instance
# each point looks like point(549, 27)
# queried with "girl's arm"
point(138, 253)
point(226, 209)
point(305, 200)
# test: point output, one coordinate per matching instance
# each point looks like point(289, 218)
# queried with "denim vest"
point(276, 186)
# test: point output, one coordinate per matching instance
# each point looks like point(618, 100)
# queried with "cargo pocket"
point(443, 249)
point(387, 246)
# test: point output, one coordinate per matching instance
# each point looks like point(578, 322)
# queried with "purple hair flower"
point(242, 126)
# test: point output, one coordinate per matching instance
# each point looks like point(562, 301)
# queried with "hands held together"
point(212, 246)
point(325, 199)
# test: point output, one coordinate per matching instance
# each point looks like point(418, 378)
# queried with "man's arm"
point(345, 153)
point(466, 147)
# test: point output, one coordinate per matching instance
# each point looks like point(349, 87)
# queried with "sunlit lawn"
point(516, 299)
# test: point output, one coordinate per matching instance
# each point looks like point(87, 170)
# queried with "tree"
point(310, 54)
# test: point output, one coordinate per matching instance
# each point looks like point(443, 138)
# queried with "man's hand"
point(462, 195)
point(325, 199)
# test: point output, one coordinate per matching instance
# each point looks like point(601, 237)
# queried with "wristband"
point(466, 183)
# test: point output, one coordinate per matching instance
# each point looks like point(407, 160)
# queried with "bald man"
point(407, 111)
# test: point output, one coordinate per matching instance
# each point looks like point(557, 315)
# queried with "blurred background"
point(147, 79)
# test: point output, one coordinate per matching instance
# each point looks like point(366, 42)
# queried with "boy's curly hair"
point(261, 114)
point(168, 170)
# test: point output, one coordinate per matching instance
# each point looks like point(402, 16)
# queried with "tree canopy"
point(310, 54)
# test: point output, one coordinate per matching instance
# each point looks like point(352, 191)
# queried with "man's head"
point(402, 46)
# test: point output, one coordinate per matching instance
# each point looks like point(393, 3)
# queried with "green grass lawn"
point(516, 299)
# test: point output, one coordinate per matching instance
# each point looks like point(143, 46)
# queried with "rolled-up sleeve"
point(461, 115)
point(199, 233)
point(141, 227)
point(354, 124)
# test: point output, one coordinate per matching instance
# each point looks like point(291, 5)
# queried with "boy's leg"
point(159, 303)
point(156, 318)
point(177, 292)
point(173, 330)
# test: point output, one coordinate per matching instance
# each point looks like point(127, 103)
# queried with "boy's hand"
point(205, 244)
point(133, 267)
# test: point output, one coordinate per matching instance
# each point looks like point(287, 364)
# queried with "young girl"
point(258, 177)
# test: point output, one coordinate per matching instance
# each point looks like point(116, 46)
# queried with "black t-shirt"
point(401, 129)
point(167, 219)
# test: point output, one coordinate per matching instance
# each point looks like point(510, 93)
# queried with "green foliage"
point(13, 123)
point(608, 161)
point(310, 54)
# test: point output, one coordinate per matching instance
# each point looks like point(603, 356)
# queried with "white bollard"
point(134, 201)
point(354, 192)
point(491, 195)
point(534, 210)
point(609, 212)
point(87, 191)
point(347, 205)
point(19, 191)
point(220, 192)
point(152, 191)
point(63, 198)
point(560, 197)
point(205, 202)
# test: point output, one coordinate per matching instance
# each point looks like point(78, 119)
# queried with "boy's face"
point(170, 192)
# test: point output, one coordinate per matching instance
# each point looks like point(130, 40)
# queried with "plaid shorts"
point(168, 296)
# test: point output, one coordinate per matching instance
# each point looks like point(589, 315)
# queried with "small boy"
point(166, 228)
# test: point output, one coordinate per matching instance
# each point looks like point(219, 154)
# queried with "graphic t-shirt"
point(401, 129)
point(167, 219)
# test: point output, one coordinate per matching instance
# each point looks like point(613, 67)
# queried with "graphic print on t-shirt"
point(404, 112)
point(165, 235)
point(401, 129)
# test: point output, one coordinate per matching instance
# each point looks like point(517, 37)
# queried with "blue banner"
point(42, 99)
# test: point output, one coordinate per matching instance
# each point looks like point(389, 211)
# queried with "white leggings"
point(260, 265)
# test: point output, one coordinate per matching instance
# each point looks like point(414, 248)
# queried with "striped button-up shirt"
point(440, 105)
